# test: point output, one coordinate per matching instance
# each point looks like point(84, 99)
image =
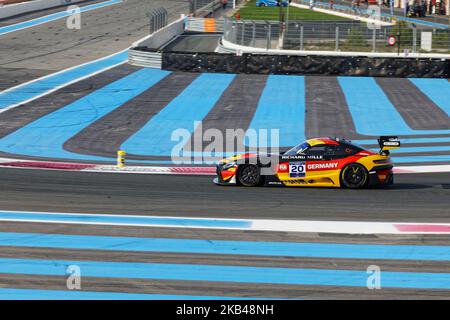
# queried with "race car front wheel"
point(354, 176)
point(249, 175)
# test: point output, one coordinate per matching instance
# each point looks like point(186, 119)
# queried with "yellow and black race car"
point(319, 162)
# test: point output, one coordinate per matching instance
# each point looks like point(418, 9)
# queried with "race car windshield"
point(356, 146)
point(298, 149)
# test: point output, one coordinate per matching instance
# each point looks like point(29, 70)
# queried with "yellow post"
point(121, 158)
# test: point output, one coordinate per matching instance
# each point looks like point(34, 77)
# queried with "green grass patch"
point(251, 12)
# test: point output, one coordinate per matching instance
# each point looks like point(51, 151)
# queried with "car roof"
point(324, 140)
point(329, 140)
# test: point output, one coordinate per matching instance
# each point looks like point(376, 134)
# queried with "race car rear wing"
point(388, 143)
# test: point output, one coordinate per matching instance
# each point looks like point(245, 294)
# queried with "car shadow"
point(402, 186)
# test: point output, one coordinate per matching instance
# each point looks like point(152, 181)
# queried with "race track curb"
point(268, 225)
point(178, 170)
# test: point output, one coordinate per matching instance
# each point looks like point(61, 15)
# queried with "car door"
point(293, 169)
point(321, 164)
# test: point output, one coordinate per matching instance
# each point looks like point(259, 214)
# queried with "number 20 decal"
point(297, 169)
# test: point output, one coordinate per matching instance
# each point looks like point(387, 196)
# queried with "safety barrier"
point(204, 24)
point(336, 36)
point(147, 59)
point(158, 19)
point(144, 53)
point(311, 64)
point(204, 8)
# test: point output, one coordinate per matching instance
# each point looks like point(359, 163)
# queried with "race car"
point(271, 3)
point(318, 162)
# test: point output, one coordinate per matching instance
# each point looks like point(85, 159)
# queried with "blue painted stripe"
point(121, 220)
point(192, 105)
point(372, 111)
point(39, 87)
point(281, 107)
point(238, 274)
point(292, 249)
point(438, 90)
point(45, 136)
point(53, 17)
point(34, 294)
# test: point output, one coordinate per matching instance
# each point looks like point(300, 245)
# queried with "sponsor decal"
point(391, 143)
point(283, 168)
point(311, 157)
point(300, 181)
point(323, 166)
point(297, 169)
point(296, 157)
point(302, 157)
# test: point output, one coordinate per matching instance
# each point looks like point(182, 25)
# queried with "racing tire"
point(354, 176)
point(249, 175)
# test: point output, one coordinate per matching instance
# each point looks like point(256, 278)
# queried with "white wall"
point(163, 36)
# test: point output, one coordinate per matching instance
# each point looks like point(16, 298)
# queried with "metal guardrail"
point(204, 8)
point(334, 36)
point(204, 24)
point(145, 59)
point(195, 24)
point(158, 19)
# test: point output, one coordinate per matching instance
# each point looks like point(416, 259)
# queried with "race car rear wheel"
point(354, 176)
point(249, 175)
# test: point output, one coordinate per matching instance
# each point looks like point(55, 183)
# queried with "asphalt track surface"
point(212, 288)
point(50, 47)
point(34, 52)
point(414, 197)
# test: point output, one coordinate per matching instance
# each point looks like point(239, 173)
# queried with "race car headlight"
point(229, 165)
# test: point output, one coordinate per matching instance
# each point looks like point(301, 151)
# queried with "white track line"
point(273, 225)
point(57, 18)
point(423, 169)
point(63, 85)
point(344, 15)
